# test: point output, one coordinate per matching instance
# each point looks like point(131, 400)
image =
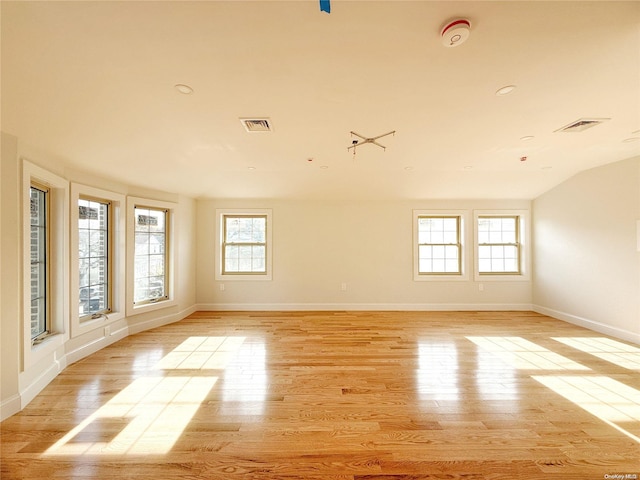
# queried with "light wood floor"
point(358, 396)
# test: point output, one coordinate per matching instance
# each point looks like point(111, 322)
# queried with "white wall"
point(318, 245)
point(586, 261)
point(10, 254)
point(20, 382)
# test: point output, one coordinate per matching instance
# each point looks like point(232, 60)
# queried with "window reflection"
point(437, 375)
point(495, 379)
point(245, 381)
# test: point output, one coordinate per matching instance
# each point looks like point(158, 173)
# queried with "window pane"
point(438, 245)
point(484, 265)
point(437, 236)
point(156, 265)
point(93, 256)
point(438, 265)
point(451, 266)
point(244, 248)
point(156, 243)
point(498, 250)
point(424, 237)
point(156, 286)
point(495, 236)
point(450, 237)
point(231, 265)
point(425, 252)
point(39, 260)
point(150, 254)
point(259, 230)
point(141, 289)
point(424, 266)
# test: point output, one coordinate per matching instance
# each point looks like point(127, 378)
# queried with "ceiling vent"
point(256, 124)
point(582, 124)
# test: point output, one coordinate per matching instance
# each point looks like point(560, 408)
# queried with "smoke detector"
point(455, 33)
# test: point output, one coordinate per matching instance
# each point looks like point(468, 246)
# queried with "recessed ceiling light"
point(506, 90)
point(408, 168)
point(324, 167)
point(468, 167)
point(546, 168)
point(251, 168)
point(182, 88)
point(527, 138)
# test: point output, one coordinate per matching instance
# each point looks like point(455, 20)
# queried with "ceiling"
point(92, 83)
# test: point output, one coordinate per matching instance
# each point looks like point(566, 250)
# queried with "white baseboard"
point(31, 390)
point(10, 406)
point(160, 321)
point(92, 347)
point(381, 307)
point(620, 333)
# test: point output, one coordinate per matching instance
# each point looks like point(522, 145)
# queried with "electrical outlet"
point(222, 287)
point(481, 287)
point(343, 286)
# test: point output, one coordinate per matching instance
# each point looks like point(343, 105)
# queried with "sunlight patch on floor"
point(525, 355)
point(201, 353)
point(618, 353)
point(154, 412)
point(613, 402)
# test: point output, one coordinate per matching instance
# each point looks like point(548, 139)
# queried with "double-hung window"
point(94, 257)
point(499, 245)
point(439, 245)
point(244, 244)
point(151, 249)
point(39, 241)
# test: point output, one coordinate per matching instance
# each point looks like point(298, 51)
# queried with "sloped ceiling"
point(92, 83)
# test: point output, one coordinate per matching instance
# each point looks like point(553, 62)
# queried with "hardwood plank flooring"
point(339, 395)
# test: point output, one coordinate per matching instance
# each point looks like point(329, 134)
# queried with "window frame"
point(58, 264)
point(463, 274)
point(226, 244)
point(45, 190)
point(81, 325)
point(108, 255)
point(523, 245)
point(169, 299)
point(221, 215)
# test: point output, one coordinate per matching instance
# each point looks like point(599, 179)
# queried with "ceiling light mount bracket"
point(364, 140)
